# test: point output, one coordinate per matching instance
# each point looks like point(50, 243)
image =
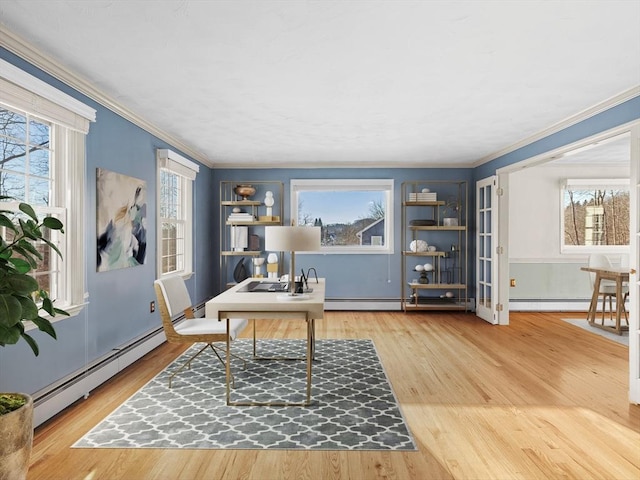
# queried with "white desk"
point(234, 303)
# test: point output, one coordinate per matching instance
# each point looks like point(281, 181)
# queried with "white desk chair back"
point(174, 300)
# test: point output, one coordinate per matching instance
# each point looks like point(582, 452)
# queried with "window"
point(42, 162)
point(595, 215)
point(175, 178)
point(356, 216)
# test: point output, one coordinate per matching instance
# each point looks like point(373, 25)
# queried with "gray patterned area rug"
point(353, 405)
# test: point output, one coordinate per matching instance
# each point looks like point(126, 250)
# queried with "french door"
point(634, 283)
point(486, 253)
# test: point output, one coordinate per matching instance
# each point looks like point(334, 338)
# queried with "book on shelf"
point(241, 217)
point(423, 197)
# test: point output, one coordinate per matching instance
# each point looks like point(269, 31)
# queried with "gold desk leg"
point(309, 358)
point(310, 341)
point(228, 362)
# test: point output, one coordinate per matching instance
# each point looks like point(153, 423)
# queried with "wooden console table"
point(618, 275)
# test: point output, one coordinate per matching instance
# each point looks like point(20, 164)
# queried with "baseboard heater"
point(58, 396)
point(551, 305)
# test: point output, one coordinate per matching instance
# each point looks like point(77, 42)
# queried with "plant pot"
point(17, 438)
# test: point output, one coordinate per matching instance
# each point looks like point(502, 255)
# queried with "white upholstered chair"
point(607, 287)
point(174, 300)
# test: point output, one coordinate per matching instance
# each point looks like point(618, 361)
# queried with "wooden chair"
point(173, 300)
point(607, 287)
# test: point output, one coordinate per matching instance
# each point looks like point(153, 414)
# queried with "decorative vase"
point(244, 191)
point(418, 246)
point(17, 439)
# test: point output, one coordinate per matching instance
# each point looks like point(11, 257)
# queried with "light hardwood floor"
point(539, 399)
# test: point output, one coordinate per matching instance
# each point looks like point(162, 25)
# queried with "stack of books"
point(241, 217)
point(423, 197)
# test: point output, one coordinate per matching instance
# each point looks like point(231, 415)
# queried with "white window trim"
point(24, 92)
point(586, 183)
point(385, 185)
point(177, 164)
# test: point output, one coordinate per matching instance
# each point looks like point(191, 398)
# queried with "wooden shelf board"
point(457, 228)
point(424, 254)
point(256, 222)
point(246, 253)
point(241, 203)
point(437, 203)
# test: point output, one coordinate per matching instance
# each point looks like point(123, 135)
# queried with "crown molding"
point(567, 122)
point(20, 47)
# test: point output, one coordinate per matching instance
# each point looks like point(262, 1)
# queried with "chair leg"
point(244, 362)
point(186, 364)
point(215, 350)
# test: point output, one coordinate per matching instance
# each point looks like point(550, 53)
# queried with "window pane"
point(596, 217)
point(39, 192)
point(38, 134)
point(13, 125)
point(13, 155)
point(347, 218)
point(169, 195)
point(39, 163)
point(12, 185)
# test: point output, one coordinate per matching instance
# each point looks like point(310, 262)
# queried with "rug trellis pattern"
point(353, 406)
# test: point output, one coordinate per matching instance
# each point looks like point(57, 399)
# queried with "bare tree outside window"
point(355, 215)
point(596, 216)
point(25, 176)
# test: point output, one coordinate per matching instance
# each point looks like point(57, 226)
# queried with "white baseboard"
point(552, 305)
point(81, 383)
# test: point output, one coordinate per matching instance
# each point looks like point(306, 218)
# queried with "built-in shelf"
point(444, 286)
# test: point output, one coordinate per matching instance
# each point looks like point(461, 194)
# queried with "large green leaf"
point(52, 223)
point(22, 284)
point(32, 343)
point(29, 308)
point(28, 209)
point(9, 335)
point(10, 310)
point(6, 222)
point(22, 266)
point(53, 246)
point(45, 325)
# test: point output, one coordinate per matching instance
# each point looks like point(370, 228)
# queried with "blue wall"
point(355, 276)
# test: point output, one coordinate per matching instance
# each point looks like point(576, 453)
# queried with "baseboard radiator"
point(58, 396)
point(373, 304)
point(552, 305)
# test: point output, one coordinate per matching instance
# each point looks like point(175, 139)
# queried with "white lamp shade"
point(292, 239)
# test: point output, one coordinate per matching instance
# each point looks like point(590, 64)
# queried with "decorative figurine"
point(268, 201)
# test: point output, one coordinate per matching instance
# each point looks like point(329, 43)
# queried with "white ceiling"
point(342, 83)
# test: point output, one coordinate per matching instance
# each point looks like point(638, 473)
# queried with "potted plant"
point(21, 300)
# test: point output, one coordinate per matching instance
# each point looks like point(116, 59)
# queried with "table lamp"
point(292, 239)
